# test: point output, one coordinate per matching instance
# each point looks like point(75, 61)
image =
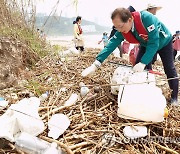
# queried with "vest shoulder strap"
point(139, 25)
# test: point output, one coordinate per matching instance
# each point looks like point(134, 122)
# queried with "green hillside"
point(55, 25)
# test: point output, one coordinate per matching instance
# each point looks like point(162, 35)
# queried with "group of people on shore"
point(146, 30)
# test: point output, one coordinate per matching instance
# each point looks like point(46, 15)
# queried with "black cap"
point(131, 9)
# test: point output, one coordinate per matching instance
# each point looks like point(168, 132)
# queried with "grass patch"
point(31, 39)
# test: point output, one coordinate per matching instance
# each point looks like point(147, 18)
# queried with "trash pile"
point(138, 96)
point(71, 114)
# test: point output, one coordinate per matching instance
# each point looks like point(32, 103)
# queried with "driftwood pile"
point(95, 126)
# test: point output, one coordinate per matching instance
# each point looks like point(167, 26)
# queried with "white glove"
point(139, 67)
point(91, 69)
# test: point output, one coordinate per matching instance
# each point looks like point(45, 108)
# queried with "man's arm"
point(113, 43)
point(111, 46)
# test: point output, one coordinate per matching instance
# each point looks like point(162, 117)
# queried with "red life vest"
point(125, 47)
point(176, 45)
point(133, 55)
point(139, 27)
point(80, 29)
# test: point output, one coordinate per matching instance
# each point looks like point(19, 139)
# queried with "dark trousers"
point(80, 47)
point(143, 49)
point(167, 57)
point(141, 52)
point(174, 53)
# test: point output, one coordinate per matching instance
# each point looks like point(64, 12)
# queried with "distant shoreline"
point(91, 41)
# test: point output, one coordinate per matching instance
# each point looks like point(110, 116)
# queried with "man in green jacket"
point(158, 40)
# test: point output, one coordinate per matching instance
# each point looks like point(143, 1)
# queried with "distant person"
point(42, 35)
point(152, 8)
point(114, 30)
point(38, 30)
point(176, 43)
point(104, 39)
point(78, 40)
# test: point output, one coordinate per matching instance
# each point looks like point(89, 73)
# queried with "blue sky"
point(99, 11)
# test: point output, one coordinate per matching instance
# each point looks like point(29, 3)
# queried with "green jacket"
point(158, 37)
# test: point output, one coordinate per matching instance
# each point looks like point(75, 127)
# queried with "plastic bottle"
point(84, 90)
point(72, 100)
point(44, 96)
point(53, 149)
point(57, 125)
point(3, 103)
point(31, 144)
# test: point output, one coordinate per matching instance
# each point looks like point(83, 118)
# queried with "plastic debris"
point(8, 126)
point(84, 90)
point(53, 149)
point(57, 125)
point(31, 144)
point(125, 75)
point(14, 96)
point(49, 79)
point(135, 131)
point(71, 51)
point(21, 117)
point(141, 102)
point(44, 96)
point(63, 89)
point(72, 100)
point(3, 103)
